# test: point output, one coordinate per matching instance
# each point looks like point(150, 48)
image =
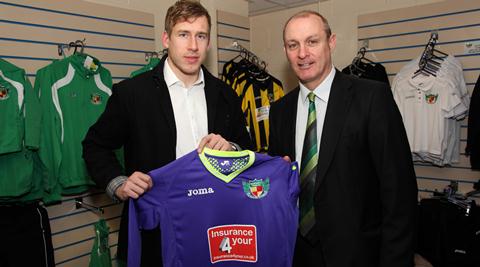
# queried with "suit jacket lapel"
point(337, 109)
point(163, 96)
point(291, 122)
point(211, 95)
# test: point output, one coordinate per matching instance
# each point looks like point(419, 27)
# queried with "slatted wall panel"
point(73, 229)
point(29, 34)
point(230, 28)
point(395, 37)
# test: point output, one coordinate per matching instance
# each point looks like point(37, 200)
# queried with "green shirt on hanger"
point(100, 254)
point(20, 174)
point(152, 63)
point(73, 94)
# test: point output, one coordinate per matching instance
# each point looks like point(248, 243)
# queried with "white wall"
point(159, 9)
point(266, 31)
point(266, 42)
point(239, 7)
point(156, 7)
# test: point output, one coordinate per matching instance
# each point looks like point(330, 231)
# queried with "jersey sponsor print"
point(222, 208)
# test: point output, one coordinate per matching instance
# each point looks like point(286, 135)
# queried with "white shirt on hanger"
point(322, 93)
point(430, 107)
point(189, 109)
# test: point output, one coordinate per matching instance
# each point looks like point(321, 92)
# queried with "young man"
point(358, 187)
point(161, 115)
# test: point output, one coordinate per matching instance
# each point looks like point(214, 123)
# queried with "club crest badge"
point(96, 99)
point(4, 93)
point(257, 188)
point(431, 98)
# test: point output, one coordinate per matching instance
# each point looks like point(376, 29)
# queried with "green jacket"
point(20, 173)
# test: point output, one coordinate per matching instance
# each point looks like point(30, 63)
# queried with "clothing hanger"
point(357, 67)
point(450, 196)
point(150, 55)
point(242, 52)
point(240, 55)
point(360, 58)
point(263, 76)
point(77, 44)
point(61, 49)
point(154, 54)
point(362, 52)
point(80, 204)
point(429, 62)
point(438, 51)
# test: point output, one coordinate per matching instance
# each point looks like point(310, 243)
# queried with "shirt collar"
point(171, 78)
point(323, 89)
point(85, 64)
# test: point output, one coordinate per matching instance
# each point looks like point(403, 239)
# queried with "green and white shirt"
point(20, 178)
point(73, 94)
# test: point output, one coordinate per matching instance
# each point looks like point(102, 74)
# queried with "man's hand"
point(287, 158)
point(137, 184)
point(214, 141)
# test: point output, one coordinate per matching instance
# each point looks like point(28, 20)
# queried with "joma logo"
point(200, 191)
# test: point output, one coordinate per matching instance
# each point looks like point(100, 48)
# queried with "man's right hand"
point(137, 184)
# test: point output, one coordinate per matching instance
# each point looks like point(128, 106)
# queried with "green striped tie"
point(308, 171)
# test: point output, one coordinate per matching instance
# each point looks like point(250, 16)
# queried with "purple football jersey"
point(220, 208)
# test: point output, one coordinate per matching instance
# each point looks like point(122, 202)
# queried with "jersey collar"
point(85, 64)
point(238, 161)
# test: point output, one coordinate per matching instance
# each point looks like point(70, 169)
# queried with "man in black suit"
point(162, 114)
point(358, 186)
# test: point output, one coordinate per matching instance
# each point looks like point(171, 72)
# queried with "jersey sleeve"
point(146, 212)
point(11, 103)
point(452, 105)
point(142, 215)
point(106, 78)
point(50, 150)
point(134, 241)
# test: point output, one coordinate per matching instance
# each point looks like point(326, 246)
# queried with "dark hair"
point(184, 10)
point(306, 13)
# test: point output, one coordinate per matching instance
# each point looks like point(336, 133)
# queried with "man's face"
point(187, 46)
point(309, 50)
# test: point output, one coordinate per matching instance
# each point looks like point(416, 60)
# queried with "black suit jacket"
point(365, 190)
point(139, 117)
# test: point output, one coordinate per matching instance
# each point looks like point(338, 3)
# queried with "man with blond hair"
point(161, 115)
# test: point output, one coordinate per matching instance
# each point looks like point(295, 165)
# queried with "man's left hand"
point(214, 141)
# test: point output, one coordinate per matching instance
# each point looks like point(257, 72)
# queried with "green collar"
point(84, 64)
point(6, 66)
point(238, 161)
point(153, 62)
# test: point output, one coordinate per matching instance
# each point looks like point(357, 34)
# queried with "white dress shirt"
point(322, 93)
point(189, 109)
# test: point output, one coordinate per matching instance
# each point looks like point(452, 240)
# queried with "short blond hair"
point(184, 10)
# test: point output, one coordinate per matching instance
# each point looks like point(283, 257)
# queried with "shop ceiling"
point(257, 7)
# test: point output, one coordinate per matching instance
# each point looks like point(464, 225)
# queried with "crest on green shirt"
point(257, 188)
point(96, 99)
point(3, 93)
